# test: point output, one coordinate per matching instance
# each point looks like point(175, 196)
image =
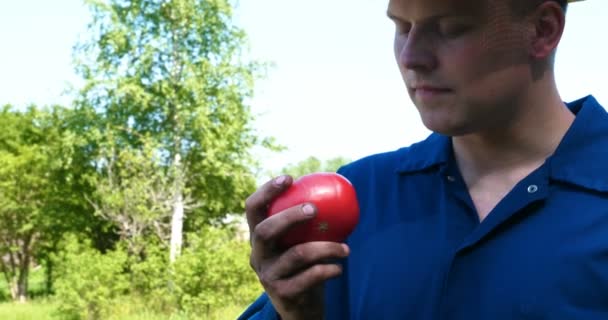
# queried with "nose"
point(415, 51)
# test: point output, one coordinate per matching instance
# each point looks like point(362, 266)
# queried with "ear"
point(548, 22)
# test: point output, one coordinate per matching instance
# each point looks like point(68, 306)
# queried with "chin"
point(442, 122)
point(447, 128)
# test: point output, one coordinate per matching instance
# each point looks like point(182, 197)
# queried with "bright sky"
point(335, 89)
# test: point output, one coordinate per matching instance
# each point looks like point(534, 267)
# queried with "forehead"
point(422, 9)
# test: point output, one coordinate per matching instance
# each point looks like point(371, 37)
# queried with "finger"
point(304, 255)
point(256, 204)
point(266, 233)
point(293, 287)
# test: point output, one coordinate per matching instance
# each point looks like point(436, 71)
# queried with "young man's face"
point(465, 62)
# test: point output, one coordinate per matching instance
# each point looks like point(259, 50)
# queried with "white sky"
point(335, 89)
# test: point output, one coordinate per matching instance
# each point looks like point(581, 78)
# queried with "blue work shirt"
point(420, 251)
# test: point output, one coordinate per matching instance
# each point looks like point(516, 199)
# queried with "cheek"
point(481, 70)
point(496, 56)
point(466, 62)
point(480, 79)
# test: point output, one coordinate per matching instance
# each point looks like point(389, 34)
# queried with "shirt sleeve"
point(260, 309)
point(336, 296)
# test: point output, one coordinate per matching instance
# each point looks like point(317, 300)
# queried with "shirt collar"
point(581, 158)
point(433, 151)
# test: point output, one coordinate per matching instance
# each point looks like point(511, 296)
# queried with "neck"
point(534, 132)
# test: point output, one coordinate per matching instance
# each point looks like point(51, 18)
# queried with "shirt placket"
point(465, 229)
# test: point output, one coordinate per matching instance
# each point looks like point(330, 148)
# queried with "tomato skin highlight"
point(337, 208)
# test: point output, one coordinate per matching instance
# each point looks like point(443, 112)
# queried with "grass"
point(44, 310)
point(26, 311)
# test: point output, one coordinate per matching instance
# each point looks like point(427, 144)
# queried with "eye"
point(401, 26)
point(451, 30)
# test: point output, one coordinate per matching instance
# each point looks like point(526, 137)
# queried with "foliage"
point(125, 309)
point(36, 286)
point(214, 271)
point(162, 124)
point(133, 193)
point(90, 281)
point(172, 72)
point(41, 190)
point(313, 164)
point(150, 279)
point(32, 152)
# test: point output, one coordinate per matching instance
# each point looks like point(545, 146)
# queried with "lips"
point(432, 89)
point(427, 92)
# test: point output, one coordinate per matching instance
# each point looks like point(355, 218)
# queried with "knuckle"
point(266, 282)
point(296, 255)
point(267, 197)
point(261, 233)
point(283, 291)
point(337, 249)
point(317, 270)
point(321, 272)
point(249, 203)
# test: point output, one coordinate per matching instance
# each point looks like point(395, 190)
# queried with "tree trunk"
point(49, 276)
point(177, 222)
point(22, 286)
point(177, 219)
point(15, 268)
point(19, 286)
point(14, 288)
point(24, 270)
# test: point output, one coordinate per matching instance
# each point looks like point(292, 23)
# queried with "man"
point(501, 213)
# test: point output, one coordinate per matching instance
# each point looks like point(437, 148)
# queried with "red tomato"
point(337, 208)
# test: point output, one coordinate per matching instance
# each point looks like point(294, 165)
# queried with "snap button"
point(451, 178)
point(532, 188)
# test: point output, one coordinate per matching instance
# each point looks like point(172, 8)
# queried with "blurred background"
point(132, 131)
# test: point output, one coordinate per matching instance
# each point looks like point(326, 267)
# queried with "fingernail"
point(279, 180)
point(308, 210)
point(345, 247)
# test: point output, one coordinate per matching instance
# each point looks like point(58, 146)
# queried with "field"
point(41, 308)
point(44, 309)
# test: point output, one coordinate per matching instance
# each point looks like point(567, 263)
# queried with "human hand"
point(292, 277)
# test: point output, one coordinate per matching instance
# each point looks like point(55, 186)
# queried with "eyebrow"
point(434, 17)
point(431, 18)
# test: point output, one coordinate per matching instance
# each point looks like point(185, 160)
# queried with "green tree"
point(313, 164)
point(168, 75)
point(33, 153)
point(67, 210)
point(133, 192)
